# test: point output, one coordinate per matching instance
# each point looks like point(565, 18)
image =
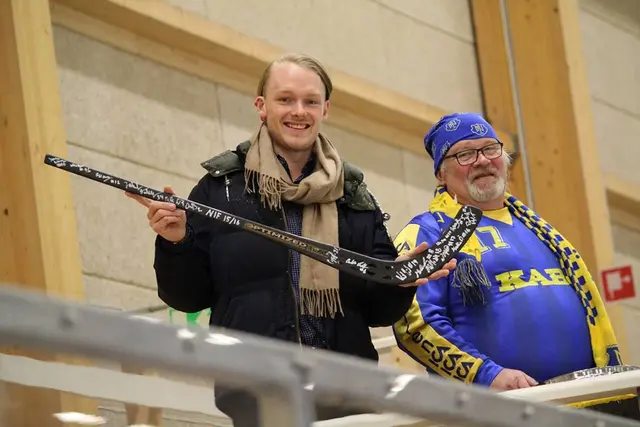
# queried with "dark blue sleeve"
point(183, 269)
point(426, 332)
point(385, 304)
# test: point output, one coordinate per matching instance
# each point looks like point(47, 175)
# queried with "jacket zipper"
point(293, 291)
point(227, 183)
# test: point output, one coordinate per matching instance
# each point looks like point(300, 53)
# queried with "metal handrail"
point(286, 379)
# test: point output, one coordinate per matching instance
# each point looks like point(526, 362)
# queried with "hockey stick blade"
point(381, 271)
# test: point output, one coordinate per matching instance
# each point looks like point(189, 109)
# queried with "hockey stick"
point(381, 271)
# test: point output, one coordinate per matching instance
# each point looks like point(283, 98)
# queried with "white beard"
point(486, 194)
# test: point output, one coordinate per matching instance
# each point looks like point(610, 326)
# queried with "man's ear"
point(259, 104)
point(440, 177)
point(325, 115)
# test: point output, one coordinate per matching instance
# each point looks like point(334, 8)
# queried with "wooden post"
point(567, 182)
point(495, 77)
point(39, 247)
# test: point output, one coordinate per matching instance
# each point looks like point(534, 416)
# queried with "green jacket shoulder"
point(356, 194)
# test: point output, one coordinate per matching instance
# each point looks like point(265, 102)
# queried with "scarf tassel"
point(269, 188)
point(319, 302)
point(471, 279)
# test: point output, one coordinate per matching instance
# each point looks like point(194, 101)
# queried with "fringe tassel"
point(250, 180)
point(320, 303)
point(269, 188)
point(470, 278)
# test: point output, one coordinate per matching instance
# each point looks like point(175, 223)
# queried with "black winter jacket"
point(244, 278)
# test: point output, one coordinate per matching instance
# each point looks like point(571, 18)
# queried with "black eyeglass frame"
point(477, 151)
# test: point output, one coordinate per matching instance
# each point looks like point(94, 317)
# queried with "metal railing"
point(287, 379)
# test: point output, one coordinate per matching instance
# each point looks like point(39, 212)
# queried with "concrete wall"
point(153, 124)
point(611, 44)
point(420, 48)
point(627, 252)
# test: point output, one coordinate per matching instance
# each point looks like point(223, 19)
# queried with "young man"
point(288, 176)
point(521, 306)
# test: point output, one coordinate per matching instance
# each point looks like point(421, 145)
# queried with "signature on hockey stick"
point(392, 272)
point(416, 267)
point(362, 266)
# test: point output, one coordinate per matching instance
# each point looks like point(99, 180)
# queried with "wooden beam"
point(115, 22)
point(495, 77)
point(624, 202)
point(568, 185)
point(39, 247)
point(188, 42)
point(624, 219)
point(623, 195)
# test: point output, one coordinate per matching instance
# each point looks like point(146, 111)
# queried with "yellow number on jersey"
point(494, 235)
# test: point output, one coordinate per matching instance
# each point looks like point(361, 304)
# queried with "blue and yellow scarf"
point(603, 340)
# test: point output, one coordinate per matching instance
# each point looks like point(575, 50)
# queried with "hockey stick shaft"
point(382, 271)
point(309, 247)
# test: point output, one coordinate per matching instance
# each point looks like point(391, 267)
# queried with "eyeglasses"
point(469, 157)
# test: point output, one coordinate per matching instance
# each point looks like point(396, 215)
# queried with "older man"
point(521, 306)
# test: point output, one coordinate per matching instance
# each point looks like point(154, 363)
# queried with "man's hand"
point(164, 218)
point(512, 379)
point(435, 276)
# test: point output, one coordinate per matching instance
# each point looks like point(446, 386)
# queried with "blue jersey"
point(532, 319)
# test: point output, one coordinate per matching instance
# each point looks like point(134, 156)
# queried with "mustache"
point(484, 172)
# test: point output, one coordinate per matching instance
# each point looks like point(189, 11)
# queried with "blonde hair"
point(301, 60)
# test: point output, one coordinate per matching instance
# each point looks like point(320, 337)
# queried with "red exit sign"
point(618, 283)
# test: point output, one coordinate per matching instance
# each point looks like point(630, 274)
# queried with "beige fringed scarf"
point(319, 284)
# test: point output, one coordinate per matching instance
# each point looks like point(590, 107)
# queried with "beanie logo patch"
point(479, 129)
point(452, 125)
